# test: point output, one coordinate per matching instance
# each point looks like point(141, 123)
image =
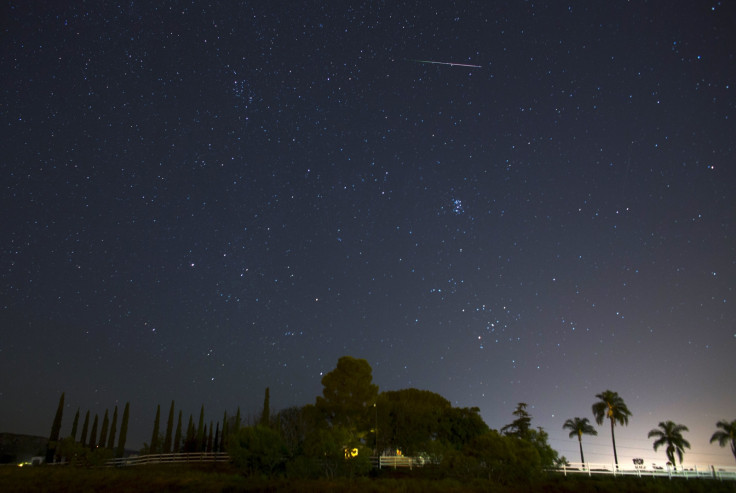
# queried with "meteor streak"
point(451, 64)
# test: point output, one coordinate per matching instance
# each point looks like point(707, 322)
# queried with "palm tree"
point(579, 426)
point(613, 407)
point(726, 434)
point(670, 434)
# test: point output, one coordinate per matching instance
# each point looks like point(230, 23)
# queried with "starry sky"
point(204, 199)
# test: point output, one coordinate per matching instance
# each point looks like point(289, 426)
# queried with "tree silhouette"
point(348, 394)
point(103, 431)
point(200, 431)
point(266, 413)
point(177, 435)
point(408, 419)
point(726, 434)
point(613, 407)
point(225, 431)
point(670, 434)
point(190, 436)
point(75, 424)
point(216, 443)
point(153, 447)
point(123, 431)
point(236, 423)
point(85, 429)
point(93, 435)
point(209, 438)
point(113, 426)
point(521, 425)
point(55, 429)
point(169, 429)
point(579, 427)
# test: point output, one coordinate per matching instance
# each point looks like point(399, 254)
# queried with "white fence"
point(712, 472)
point(170, 459)
point(396, 461)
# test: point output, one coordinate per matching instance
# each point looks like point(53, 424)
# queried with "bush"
point(257, 450)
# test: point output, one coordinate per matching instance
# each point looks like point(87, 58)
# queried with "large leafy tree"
point(669, 433)
point(726, 434)
point(349, 394)
point(257, 449)
point(505, 459)
point(459, 425)
point(579, 427)
point(610, 405)
point(408, 419)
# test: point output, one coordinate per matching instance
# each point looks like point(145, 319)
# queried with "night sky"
point(204, 199)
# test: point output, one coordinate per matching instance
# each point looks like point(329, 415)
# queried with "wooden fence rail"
point(182, 458)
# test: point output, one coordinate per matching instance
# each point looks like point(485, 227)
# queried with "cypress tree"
point(75, 424)
point(123, 431)
point(236, 425)
point(216, 443)
point(225, 431)
point(93, 435)
point(85, 428)
point(103, 432)
point(189, 441)
point(153, 448)
point(113, 426)
point(200, 430)
point(177, 435)
point(266, 414)
point(209, 439)
point(203, 444)
point(169, 429)
point(55, 429)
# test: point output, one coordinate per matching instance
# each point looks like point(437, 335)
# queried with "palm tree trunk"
point(613, 437)
point(582, 457)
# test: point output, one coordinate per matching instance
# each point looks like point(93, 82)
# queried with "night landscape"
point(495, 238)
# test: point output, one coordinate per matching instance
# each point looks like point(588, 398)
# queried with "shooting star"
point(451, 64)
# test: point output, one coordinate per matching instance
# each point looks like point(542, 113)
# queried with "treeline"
point(352, 421)
point(90, 448)
point(337, 435)
point(202, 437)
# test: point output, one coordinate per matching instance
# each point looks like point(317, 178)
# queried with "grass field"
point(225, 478)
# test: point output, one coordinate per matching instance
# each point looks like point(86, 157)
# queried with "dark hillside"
point(16, 448)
